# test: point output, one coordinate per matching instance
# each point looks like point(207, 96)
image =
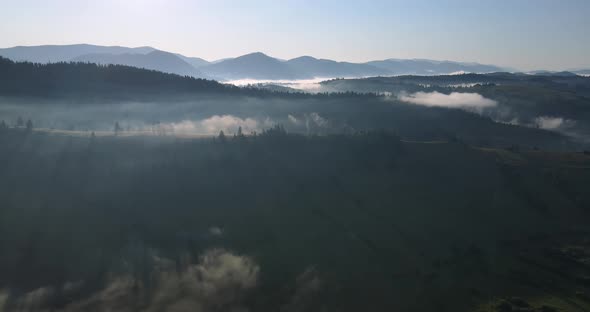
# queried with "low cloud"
point(3, 299)
point(311, 122)
point(293, 120)
point(308, 285)
point(215, 231)
point(550, 123)
point(307, 85)
point(218, 282)
point(214, 124)
point(460, 72)
point(210, 126)
point(34, 300)
point(467, 101)
point(318, 120)
point(228, 123)
point(221, 274)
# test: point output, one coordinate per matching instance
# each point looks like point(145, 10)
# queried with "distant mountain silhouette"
point(430, 67)
point(252, 66)
point(571, 73)
point(196, 62)
point(155, 60)
point(261, 66)
point(312, 67)
point(64, 53)
point(552, 73)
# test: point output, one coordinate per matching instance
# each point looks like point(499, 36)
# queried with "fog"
point(220, 279)
point(550, 123)
point(202, 117)
point(198, 116)
point(307, 85)
point(183, 115)
point(214, 124)
point(467, 101)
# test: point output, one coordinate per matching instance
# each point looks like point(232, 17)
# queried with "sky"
point(520, 34)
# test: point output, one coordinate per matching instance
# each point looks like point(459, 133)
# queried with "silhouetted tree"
point(20, 122)
point(240, 134)
point(3, 125)
point(277, 130)
point(221, 136)
point(117, 128)
point(29, 125)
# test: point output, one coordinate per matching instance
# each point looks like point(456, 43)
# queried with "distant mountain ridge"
point(64, 53)
point(329, 68)
point(552, 73)
point(155, 60)
point(196, 62)
point(261, 66)
point(250, 66)
point(430, 67)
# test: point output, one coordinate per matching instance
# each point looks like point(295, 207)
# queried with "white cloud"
point(307, 286)
point(3, 298)
point(211, 126)
point(215, 231)
point(35, 299)
point(219, 279)
point(460, 72)
point(228, 123)
point(318, 120)
point(551, 123)
point(220, 271)
point(293, 119)
point(309, 85)
point(467, 101)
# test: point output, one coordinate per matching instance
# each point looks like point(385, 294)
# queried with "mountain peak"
point(304, 58)
point(257, 55)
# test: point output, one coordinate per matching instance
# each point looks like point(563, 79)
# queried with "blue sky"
point(524, 34)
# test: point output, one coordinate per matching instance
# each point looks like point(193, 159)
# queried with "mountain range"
point(65, 53)
point(256, 65)
point(154, 60)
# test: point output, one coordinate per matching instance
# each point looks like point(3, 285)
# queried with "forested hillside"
point(97, 223)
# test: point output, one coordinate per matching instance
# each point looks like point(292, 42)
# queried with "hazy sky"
point(524, 34)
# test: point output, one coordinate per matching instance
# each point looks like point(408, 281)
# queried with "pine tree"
point(221, 136)
point(117, 128)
